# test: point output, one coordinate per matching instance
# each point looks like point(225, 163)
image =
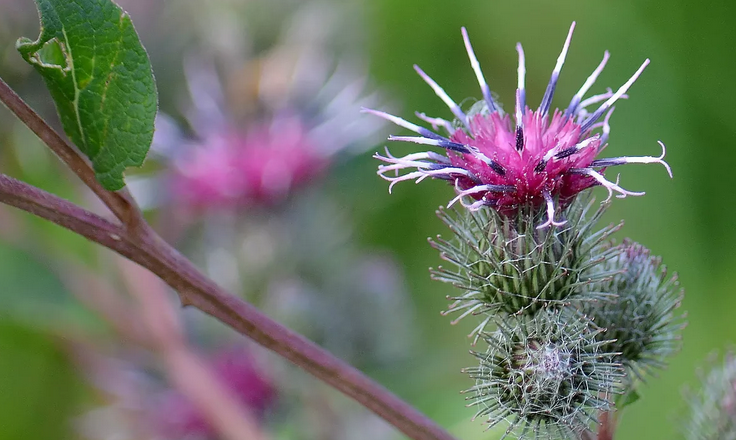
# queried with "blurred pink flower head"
point(528, 159)
point(259, 166)
point(288, 118)
point(176, 417)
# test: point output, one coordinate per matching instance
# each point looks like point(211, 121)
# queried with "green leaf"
point(100, 78)
point(627, 399)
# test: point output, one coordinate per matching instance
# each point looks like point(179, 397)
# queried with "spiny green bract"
point(641, 316)
point(507, 265)
point(713, 407)
point(547, 376)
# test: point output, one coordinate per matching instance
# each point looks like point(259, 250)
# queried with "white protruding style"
point(619, 93)
point(443, 96)
point(478, 73)
point(520, 91)
point(474, 190)
point(575, 102)
point(635, 159)
point(550, 92)
point(436, 122)
point(550, 212)
point(610, 186)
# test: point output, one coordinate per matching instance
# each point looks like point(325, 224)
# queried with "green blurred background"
point(684, 98)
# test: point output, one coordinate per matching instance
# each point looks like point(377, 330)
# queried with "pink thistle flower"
point(528, 160)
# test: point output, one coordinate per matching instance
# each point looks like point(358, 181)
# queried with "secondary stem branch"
point(120, 203)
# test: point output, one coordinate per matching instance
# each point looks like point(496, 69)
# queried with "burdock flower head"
point(526, 161)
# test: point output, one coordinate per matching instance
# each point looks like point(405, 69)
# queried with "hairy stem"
point(137, 241)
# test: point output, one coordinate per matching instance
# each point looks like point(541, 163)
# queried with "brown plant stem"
point(607, 425)
point(137, 241)
point(120, 203)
